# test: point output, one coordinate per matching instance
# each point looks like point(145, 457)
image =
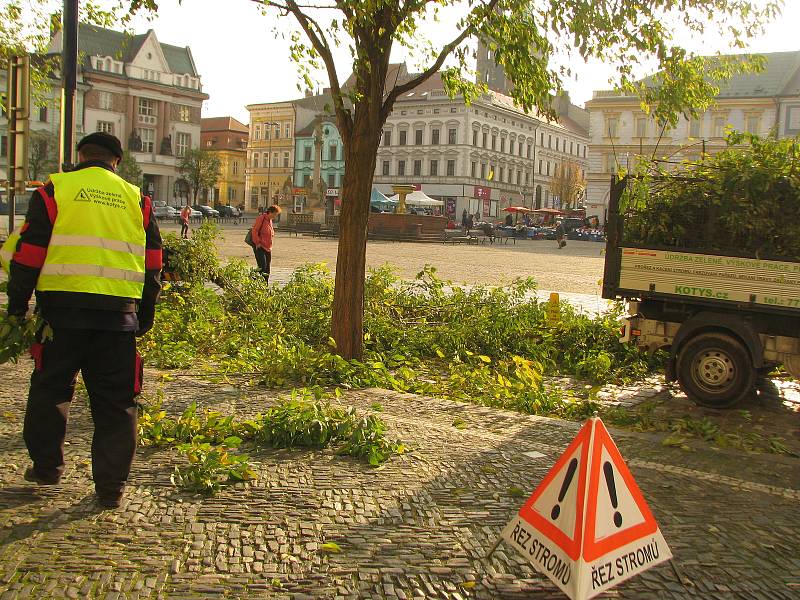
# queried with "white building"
point(146, 93)
point(483, 157)
point(620, 132)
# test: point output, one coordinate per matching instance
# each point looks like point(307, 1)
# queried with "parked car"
point(206, 211)
point(228, 211)
point(165, 212)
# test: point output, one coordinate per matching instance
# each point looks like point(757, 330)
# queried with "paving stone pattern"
point(419, 527)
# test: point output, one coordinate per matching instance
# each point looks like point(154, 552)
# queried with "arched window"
point(538, 196)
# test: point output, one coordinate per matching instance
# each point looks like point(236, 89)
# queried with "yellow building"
point(227, 138)
point(270, 154)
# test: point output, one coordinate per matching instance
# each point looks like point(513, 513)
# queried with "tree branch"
point(427, 73)
point(316, 36)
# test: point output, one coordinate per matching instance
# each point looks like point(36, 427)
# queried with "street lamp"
point(271, 125)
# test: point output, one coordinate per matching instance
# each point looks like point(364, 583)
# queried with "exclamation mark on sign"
point(573, 464)
point(608, 470)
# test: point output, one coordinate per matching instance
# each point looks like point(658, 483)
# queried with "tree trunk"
point(347, 326)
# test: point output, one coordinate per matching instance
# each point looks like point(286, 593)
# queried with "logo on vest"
point(101, 197)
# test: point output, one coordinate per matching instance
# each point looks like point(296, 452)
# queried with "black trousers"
point(263, 260)
point(112, 374)
point(184, 229)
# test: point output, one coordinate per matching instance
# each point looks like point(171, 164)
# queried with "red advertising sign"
point(486, 207)
point(482, 192)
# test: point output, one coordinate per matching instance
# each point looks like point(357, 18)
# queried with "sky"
point(243, 60)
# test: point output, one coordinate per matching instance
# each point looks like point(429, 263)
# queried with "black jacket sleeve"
point(28, 258)
point(152, 279)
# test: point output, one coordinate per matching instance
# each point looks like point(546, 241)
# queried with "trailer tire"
point(715, 370)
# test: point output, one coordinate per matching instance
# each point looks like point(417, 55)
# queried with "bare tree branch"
point(427, 73)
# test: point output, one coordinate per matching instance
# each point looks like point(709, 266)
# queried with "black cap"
point(104, 140)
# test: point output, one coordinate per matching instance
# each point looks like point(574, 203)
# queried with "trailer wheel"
point(715, 370)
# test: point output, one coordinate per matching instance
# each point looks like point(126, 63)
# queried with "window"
point(331, 180)
point(235, 167)
point(231, 194)
point(485, 138)
point(147, 107)
point(483, 170)
point(184, 114)
point(511, 146)
point(548, 167)
point(258, 132)
point(474, 137)
point(307, 154)
point(541, 140)
point(105, 100)
point(385, 168)
point(3, 145)
point(435, 137)
point(540, 167)
point(571, 147)
point(306, 179)
point(277, 131)
point(502, 172)
point(333, 152)
point(695, 131)
point(612, 127)
point(451, 136)
point(256, 156)
point(434, 167)
point(418, 137)
point(285, 160)
point(183, 142)
point(148, 139)
point(502, 144)
point(557, 140)
point(401, 167)
point(43, 114)
point(529, 150)
point(275, 159)
point(641, 127)
point(719, 127)
point(549, 141)
point(265, 160)
point(494, 142)
point(105, 127)
point(752, 124)
point(451, 168)
point(417, 167)
point(387, 138)
point(403, 135)
point(287, 130)
point(472, 168)
point(452, 109)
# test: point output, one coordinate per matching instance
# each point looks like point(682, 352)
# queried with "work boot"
point(32, 476)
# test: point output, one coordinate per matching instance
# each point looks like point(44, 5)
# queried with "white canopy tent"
point(418, 198)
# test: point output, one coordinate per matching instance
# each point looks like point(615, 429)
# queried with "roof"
point(778, 78)
point(222, 124)
point(94, 40)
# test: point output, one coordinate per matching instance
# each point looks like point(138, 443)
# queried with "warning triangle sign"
point(587, 526)
point(82, 196)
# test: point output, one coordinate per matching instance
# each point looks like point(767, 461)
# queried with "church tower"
point(491, 73)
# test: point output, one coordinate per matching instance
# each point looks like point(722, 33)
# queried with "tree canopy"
point(201, 169)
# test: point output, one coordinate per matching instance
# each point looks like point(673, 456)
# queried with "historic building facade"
point(620, 133)
point(480, 158)
point(227, 139)
point(270, 155)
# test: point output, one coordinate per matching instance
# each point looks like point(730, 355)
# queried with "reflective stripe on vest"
point(98, 241)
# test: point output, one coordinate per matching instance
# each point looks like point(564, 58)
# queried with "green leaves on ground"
point(208, 439)
point(492, 346)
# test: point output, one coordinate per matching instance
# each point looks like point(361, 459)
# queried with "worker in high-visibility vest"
point(92, 251)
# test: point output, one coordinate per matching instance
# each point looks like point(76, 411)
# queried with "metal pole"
point(69, 69)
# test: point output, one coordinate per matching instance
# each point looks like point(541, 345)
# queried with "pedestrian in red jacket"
point(263, 233)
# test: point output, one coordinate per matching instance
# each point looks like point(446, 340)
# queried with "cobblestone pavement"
point(419, 527)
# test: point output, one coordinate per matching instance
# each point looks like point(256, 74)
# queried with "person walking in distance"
point(186, 213)
point(263, 234)
point(560, 233)
point(92, 251)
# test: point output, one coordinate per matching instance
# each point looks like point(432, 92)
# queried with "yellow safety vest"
point(98, 240)
point(8, 249)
